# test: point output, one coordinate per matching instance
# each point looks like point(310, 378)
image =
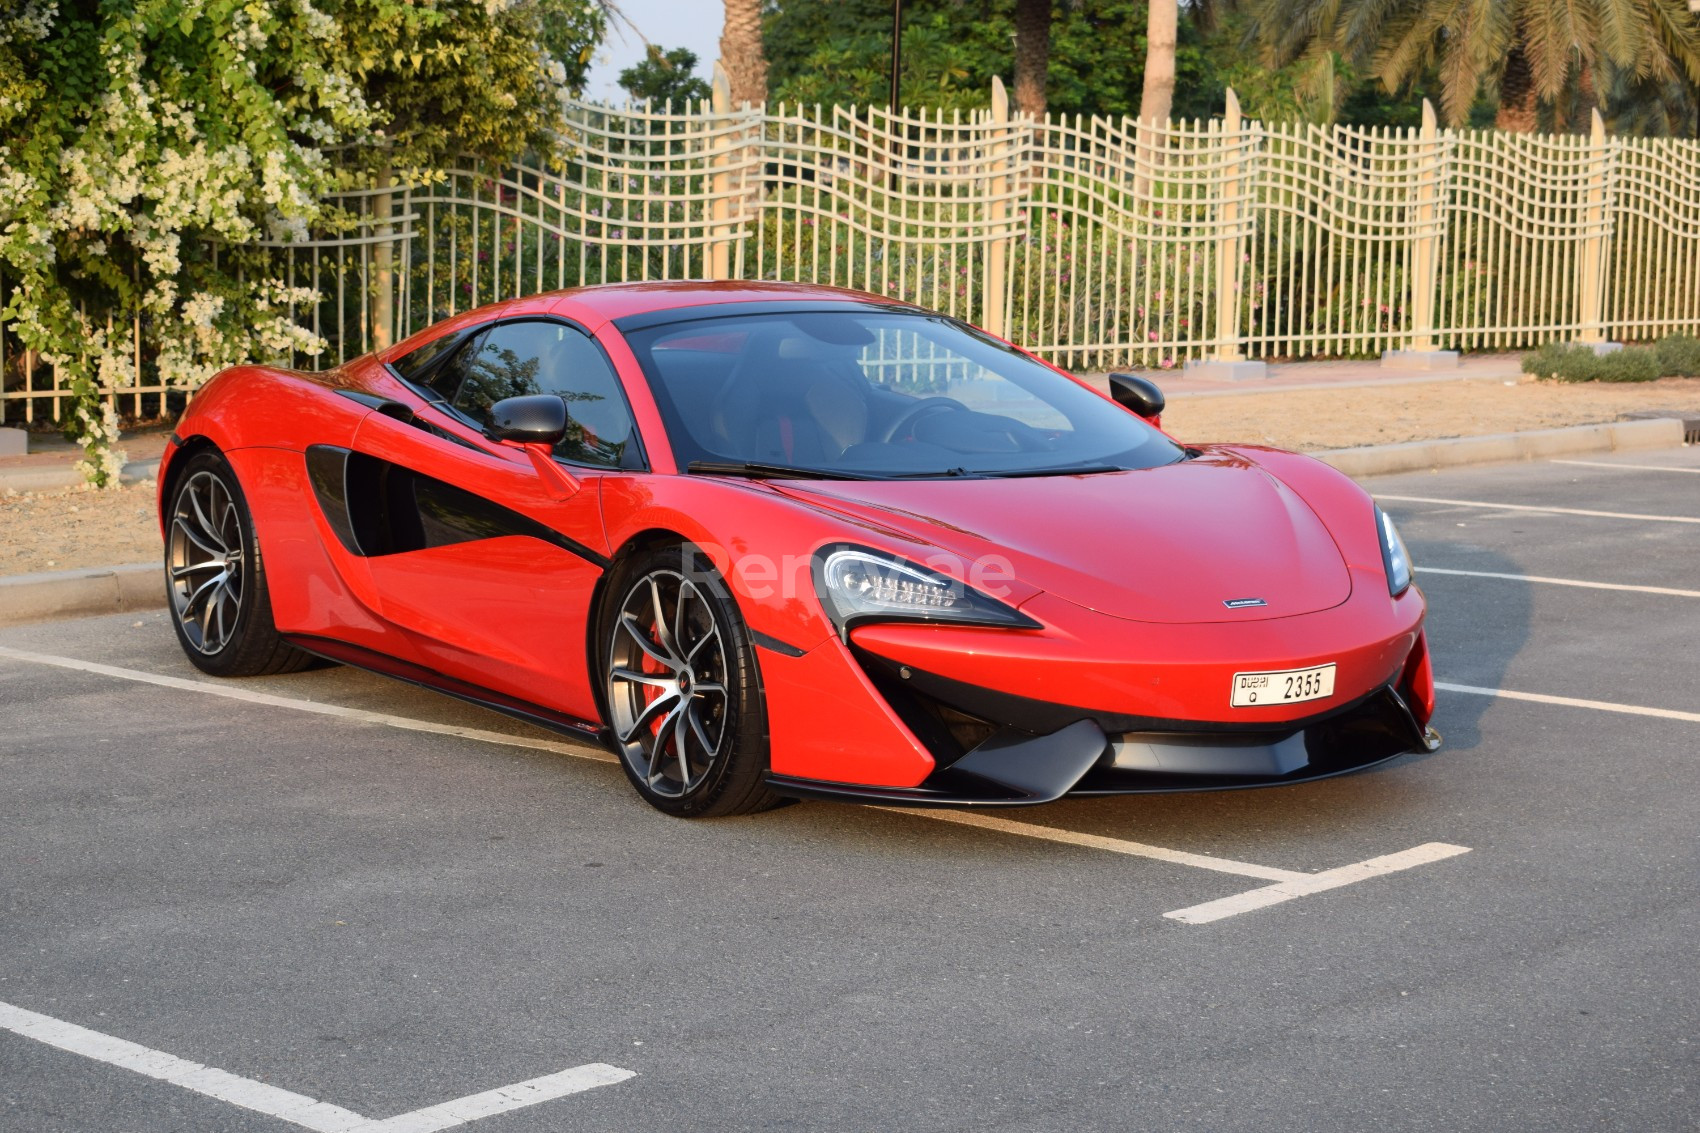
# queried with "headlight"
point(1394, 556)
point(858, 585)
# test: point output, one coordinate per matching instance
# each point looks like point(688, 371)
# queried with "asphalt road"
point(387, 919)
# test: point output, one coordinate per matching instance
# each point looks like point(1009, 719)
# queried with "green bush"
point(1679, 356)
point(1566, 363)
point(1569, 363)
point(1640, 365)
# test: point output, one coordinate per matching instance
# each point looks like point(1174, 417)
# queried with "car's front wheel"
point(683, 690)
point(215, 581)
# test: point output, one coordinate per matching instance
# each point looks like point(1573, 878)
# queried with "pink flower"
point(1151, 336)
point(1167, 363)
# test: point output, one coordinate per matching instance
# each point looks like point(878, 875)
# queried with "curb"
point(136, 586)
point(1421, 456)
point(80, 593)
point(58, 479)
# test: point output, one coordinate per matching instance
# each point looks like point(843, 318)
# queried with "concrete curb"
point(80, 593)
point(138, 586)
point(1420, 456)
point(60, 478)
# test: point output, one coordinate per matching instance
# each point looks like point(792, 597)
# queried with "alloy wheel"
point(207, 560)
point(667, 683)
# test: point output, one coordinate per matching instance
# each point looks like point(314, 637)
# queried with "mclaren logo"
point(1241, 603)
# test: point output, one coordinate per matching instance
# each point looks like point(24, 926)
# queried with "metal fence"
point(1096, 243)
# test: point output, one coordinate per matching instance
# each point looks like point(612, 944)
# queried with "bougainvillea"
point(149, 148)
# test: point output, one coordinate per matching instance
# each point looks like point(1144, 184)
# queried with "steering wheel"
point(927, 406)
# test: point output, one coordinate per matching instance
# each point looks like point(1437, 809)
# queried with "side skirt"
point(384, 665)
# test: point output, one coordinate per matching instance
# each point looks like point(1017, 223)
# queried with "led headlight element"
point(1394, 556)
point(859, 585)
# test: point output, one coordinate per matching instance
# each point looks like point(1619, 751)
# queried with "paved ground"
point(388, 919)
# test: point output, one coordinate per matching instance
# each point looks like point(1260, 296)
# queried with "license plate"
point(1288, 686)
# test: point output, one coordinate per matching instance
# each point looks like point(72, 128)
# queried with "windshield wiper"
point(941, 474)
point(770, 471)
point(1078, 470)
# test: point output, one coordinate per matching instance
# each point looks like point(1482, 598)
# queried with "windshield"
point(878, 393)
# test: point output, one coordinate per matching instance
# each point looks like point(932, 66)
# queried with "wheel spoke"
point(196, 568)
point(661, 630)
point(658, 753)
point(220, 602)
point(709, 686)
point(630, 622)
point(654, 680)
point(206, 525)
point(708, 748)
point(681, 745)
point(711, 635)
point(200, 592)
point(206, 548)
point(687, 587)
point(650, 711)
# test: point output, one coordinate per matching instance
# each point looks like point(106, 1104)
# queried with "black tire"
point(678, 668)
point(215, 584)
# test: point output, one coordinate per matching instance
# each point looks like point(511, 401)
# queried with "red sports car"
point(768, 541)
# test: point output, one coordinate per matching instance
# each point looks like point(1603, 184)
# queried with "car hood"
point(1171, 544)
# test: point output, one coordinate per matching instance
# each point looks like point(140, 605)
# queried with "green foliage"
point(839, 51)
point(149, 149)
point(666, 77)
point(829, 51)
point(1679, 356)
point(1527, 47)
point(1572, 363)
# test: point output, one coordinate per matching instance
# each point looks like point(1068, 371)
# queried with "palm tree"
point(1162, 22)
point(1533, 49)
point(741, 52)
point(1032, 54)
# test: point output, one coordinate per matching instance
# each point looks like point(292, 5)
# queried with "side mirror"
point(1138, 394)
point(536, 423)
point(536, 419)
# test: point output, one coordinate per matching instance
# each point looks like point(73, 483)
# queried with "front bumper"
point(948, 716)
point(1011, 768)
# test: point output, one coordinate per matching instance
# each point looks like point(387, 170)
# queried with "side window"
point(537, 356)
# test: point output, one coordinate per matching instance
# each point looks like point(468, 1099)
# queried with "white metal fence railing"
point(1096, 243)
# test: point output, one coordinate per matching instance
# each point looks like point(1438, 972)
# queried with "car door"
point(487, 565)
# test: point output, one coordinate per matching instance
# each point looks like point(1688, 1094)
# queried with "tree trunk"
point(1032, 54)
point(1517, 107)
point(1157, 100)
point(741, 52)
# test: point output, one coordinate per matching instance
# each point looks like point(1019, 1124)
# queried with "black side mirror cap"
point(1138, 394)
point(536, 419)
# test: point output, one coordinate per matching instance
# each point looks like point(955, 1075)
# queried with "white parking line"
point(1552, 510)
point(1571, 702)
point(1633, 467)
point(1098, 842)
point(236, 692)
point(1315, 883)
point(960, 818)
point(1564, 582)
point(298, 1109)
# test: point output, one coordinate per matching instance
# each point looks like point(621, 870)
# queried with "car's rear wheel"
point(683, 691)
point(220, 606)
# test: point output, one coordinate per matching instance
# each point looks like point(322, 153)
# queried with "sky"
point(667, 24)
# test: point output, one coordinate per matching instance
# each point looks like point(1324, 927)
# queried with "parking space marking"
point(1632, 467)
point(233, 692)
point(1306, 884)
point(1552, 510)
point(1674, 592)
point(1571, 702)
point(1099, 842)
point(298, 1109)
